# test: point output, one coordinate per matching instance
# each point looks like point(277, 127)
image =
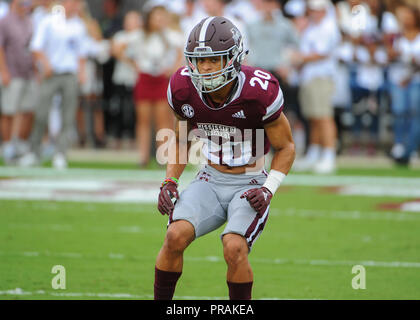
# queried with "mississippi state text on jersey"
point(233, 134)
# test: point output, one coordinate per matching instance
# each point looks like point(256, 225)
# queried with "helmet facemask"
point(230, 61)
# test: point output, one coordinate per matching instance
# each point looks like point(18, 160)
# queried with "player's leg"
point(239, 272)
point(306, 98)
point(70, 89)
point(327, 127)
point(243, 228)
point(197, 212)
point(178, 237)
point(144, 130)
point(169, 261)
point(11, 101)
point(164, 117)
point(47, 90)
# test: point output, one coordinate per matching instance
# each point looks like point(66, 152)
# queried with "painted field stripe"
point(114, 191)
point(97, 174)
point(216, 259)
point(347, 215)
point(158, 175)
point(321, 262)
point(20, 292)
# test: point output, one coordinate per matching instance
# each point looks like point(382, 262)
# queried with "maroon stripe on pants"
point(252, 226)
point(171, 217)
point(260, 228)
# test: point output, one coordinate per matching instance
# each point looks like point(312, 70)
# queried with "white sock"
point(299, 138)
point(328, 154)
point(314, 152)
point(8, 150)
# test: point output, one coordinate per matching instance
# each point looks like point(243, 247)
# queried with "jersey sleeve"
point(273, 104)
point(178, 92)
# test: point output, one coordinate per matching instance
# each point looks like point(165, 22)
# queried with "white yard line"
point(20, 292)
point(216, 259)
point(347, 215)
point(158, 175)
point(136, 186)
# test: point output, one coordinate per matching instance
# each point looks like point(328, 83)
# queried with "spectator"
point(243, 10)
point(42, 8)
point(381, 24)
point(295, 10)
point(58, 47)
point(272, 38)
point(111, 23)
point(193, 14)
point(318, 65)
point(219, 8)
point(370, 59)
point(91, 90)
point(4, 8)
point(157, 55)
point(125, 74)
point(17, 75)
point(404, 75)
point(352, 17)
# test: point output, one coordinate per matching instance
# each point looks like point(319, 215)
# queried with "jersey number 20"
point(262, 78)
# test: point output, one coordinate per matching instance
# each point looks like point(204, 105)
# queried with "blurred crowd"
point(349, 70)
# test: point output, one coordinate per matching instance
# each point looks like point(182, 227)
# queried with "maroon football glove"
point(167, 197)
point(258, 198)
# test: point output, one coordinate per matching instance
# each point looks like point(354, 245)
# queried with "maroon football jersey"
point(233, 134)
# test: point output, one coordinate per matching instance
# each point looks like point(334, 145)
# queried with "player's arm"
point(180, 144)
point(178, 158)
point(280, 136)
point(4, 70)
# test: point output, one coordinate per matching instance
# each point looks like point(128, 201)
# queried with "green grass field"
point(314, 236)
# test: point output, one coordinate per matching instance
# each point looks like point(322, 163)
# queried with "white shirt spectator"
point(271, 41)
point(357, 20)
point(242, 10)
point(295, 8)
point(187, 23)
point(4, 9)
point(370, 74)
point(353, 21)
point(322, 39)
point(38, 15)
point(403, 69)
point(388, 25)
point(62, 41)
point(156, 53)
point(124, 73)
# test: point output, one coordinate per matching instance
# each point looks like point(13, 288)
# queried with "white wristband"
point(274, 180)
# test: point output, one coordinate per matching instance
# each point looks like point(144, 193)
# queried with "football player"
point(237, 111)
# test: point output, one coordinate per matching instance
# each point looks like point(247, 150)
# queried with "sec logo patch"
point(188, 111)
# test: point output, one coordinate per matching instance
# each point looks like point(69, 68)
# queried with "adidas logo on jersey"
point(239, 115)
